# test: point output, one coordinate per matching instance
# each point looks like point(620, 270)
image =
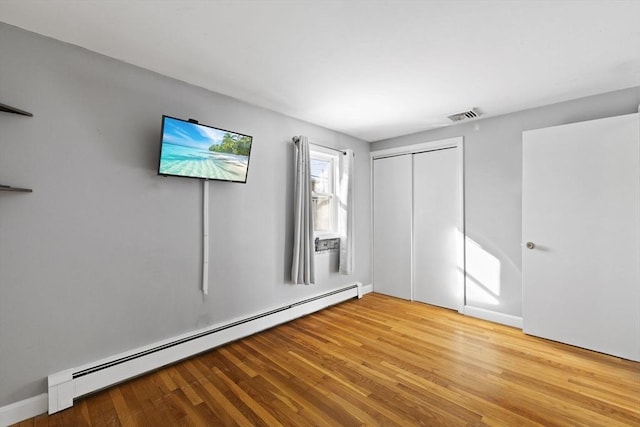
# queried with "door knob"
point(530, 245)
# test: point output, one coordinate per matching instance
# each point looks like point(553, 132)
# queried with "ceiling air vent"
point(465, 115)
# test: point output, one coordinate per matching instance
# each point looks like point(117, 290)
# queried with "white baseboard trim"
point(19, 411)
point(493, 316)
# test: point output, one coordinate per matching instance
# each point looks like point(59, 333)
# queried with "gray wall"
point(493, 185)
point(104, 256)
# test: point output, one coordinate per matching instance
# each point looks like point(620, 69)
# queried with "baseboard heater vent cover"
point(70, 384)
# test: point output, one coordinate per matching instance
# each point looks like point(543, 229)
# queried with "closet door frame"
point(456, 142)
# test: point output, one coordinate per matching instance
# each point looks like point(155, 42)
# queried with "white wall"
point(104, 255)
point(493, 189)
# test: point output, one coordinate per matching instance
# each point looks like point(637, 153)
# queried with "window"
point(324, 183)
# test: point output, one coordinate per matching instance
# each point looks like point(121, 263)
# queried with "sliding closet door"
point(392, 226)
point(435, 229)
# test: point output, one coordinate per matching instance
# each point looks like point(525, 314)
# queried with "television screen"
point(193, 150)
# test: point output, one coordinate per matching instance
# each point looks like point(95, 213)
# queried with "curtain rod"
point(295, 139)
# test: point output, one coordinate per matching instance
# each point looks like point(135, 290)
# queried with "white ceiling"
point(373, 69)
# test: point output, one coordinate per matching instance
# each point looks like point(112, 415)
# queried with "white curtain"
point(303, 265)
point(345, 212)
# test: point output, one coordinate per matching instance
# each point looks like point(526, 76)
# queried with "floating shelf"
point(8, 109)
point(15, 189)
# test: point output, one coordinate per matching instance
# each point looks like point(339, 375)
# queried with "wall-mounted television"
point(194, 150)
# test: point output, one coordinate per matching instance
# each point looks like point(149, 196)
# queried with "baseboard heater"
point(70, 384)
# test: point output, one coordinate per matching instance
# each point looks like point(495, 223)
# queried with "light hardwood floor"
point(375, 361)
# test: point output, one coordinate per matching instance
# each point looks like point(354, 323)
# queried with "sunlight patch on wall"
point(483, 274)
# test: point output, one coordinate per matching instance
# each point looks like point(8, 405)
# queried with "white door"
point(392, 226)
point(581, 214)
point(435, 229)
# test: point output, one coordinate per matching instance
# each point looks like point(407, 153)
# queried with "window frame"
point(325, 154)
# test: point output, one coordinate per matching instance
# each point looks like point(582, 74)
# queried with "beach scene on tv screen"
point(189, 149)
